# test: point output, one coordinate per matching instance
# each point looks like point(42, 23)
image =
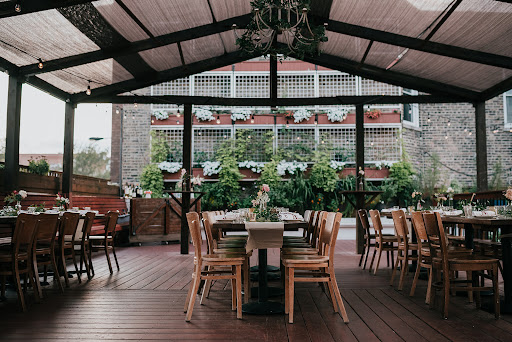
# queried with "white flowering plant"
point(252, 165)
point(337, 114)
point(161, 115)
point(337, 165)
point(61, 201)
point(211, 168)
point(15, 196)
point(240, 114)
point(171, 167)
point(290, 167)
point(383, 164)
point(203, 114)
point(301, 115)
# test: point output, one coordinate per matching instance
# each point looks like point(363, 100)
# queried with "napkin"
point(264, 235)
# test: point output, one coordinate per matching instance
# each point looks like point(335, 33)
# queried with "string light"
point(298, 138)
point(218, 119)
point(177, 122)
point(323, 142)
point(252, 119)
point(117, 110)
point(371, 144)
point(428, 119)
point(40, 64)
point(178, 114)
point(17, 8)
point(449, 123)
point(465, 130)
point(88, 91)
point(248, 137)
point(199, 133)
point(470, 133)
point(445, 137)
point(316, 119)
point(152, 121)
point(135, 105)
point(287, 124)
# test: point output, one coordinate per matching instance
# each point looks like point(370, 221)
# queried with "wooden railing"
point(52, 183)
point(493, 197)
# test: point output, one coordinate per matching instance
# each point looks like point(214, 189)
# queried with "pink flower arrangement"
point(265, 188)
point(508, 194)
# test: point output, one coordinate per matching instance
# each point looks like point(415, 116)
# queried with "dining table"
point(488, 223)
point(263, 306)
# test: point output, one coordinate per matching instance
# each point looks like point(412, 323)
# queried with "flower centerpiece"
point(148, 193)
point(508, 195)
point(301, 115)
point(337, 114)
point(440, 199)
point(373, 113)
point(449, 194)
point(14, 199)
point(416, 195)
point(261, 200)
point(61, 202)
point(203, 114)
point(196, 180)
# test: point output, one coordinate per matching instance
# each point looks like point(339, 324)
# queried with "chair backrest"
point(46, 228)
point(317, 229)
point(308, 232)
point(110, 225)
point(437, 240)
point(24, 232)
point(211, 243)
point(400, 224)
point(69, 224)
point(363, 218)
point(330, 227)
point(307, 213)
point(419, 226)
point(377, 223)
point(195, 232)
point(87, 225)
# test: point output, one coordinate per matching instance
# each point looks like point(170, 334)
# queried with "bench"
point(104, 204)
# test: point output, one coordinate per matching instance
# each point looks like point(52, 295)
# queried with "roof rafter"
point(392, 77)
point(496, 90)
point(32, 6)
point(419, 44)
point(141, 45)
point(263, 102)
point(164, 76)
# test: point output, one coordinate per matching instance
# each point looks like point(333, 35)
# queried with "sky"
point(42, 121)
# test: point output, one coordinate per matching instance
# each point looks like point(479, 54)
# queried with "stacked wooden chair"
point(383, 243)
point(405, 247)
point(369, 239)
point(105, 241)
point(65, 249)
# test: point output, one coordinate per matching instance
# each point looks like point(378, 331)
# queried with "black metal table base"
point(271, 291)
point(270, 268)
point(263, 308)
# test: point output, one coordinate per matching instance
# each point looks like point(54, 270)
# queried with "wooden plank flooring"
point(144, 302)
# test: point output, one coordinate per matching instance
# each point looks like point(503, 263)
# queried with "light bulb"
point(135, 105)
point(152, 121)
point(470, 133)
point(177, 122)
point(218, 119)
point(40, 64)
point(178, 114)
point(465, 129)
point(323, 142)
point(445, 137)
point(428, 119)
point(252, 118)
point(117, 110)
point(287, 124)
point(449, 123)
point(17, 8)
point(199, 133)
point(249, 137)
point(371, 144)
point(88, 91)
point(298, 138)
point(133, 117)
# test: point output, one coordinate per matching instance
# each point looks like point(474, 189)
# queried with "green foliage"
point(496, 182)
point(176, 153)
point(269, 174)
point(89, 160)
point(159, 147)
point(432, 175)
point(39, 166)
point(152, 179)
point(322, 176)
point(400, 184)
point(294, 193)
point(229, 175)
point(302, 148)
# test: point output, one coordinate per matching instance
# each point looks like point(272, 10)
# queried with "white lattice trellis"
point(296, 85)
point(298, 143)
point(212, 85)
point(381, 143)
point(256, 148)
point(336, 84)
point(176, 87)
point(371, 87)
point(207, 140)
point(252, 85)
point(342, 141)
point(175, 140)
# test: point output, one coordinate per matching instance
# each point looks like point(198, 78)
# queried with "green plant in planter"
point(159, 147)
point(229, 175)
point(323, 176)
point(152, 179)
point(38, 166)
point(401, 183)
point(269, 174)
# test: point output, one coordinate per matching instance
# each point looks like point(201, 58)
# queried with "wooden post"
point(273, 81)
point(481, 147)
point(187, 165)
point(359, 164)
point(12, 137)
point(67, 160)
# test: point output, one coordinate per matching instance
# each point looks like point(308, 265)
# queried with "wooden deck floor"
point(144, 302)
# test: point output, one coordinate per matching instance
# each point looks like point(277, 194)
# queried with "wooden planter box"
point(369, 173)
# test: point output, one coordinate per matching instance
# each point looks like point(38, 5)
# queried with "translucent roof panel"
point(344, 46)
point(202, 48)
point(483, 25)
point(229, 40)
point(162, 58)
point(46, 35)
point(120, 20)
point(164, 16)
point(74, 80)
point(230, 8)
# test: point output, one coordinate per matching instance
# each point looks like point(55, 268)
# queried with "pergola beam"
point(32, 6)
point(162, 76)
point(419, 44)
point(393, 77)
point(496, 90)
point(264, 102)
point(132, 48)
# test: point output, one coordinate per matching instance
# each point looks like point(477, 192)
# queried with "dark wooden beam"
point(366, 52)
point(12, 140)
point(32, 6)
point(481, 147)
point(187, 165)
point(264, 102)
point(496, 90)
point(134, 47)
point(48, 88)
point(420, 44)
point(163, 76)
point(359, 166)
point(393, 77)
point(134, 18)
point(273, 80)
point(443, 20)
point(67, 160)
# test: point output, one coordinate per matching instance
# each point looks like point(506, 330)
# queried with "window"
point(411, 110)
point(507, 108)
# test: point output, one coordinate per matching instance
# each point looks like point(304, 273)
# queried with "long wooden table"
point(263, 306)
point(488, 224)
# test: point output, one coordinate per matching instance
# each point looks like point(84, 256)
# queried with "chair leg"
point(239, 291)
point(373, 258)
point(286, 292)
point(366, 257)
point(64, 269)
point(73, 256)
point(362, 255)
point(206, 288)
point(91, 266)
point(469, 276)
point(56, 276)
point(233, 288)
point(496, 292)
point(247, 280)
point(333, 298)
point(387, 258)
point(394, 269)
point(415, 280)
point(108, 259)
point(195, 287)
point(446, 295)
point(291, 295)
point(337, 293)
point(378, 261)
point(403, 271)
point(429, 286)
point(189, 290)
point(21, 295)
point(114, 252)
point(45, 273)
point(36, 277)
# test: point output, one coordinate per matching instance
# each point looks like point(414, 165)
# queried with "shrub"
point(159, 147)
point(152, 179)
point(38, 166)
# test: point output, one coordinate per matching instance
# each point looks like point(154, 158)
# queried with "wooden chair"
point(382, 242)
point(44, 248)
point(369, 238)
point(442, 262)
point(16, 258)
point(405, 247)
point(214, 248)
point(301, 249)
point(311, 234)
point(316, 268)
point(304, 237)
point(105, 242)
point(234, 273)
point(68, 229)
point(81, 243)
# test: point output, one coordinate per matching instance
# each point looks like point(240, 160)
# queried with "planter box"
point(369, 173)
point(268, 119)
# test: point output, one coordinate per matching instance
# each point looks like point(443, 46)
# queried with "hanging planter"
point(203, 114)
point(373, 114)
point(161, 115)
point(301, 115)
point(337, 115)
point(240, 114)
